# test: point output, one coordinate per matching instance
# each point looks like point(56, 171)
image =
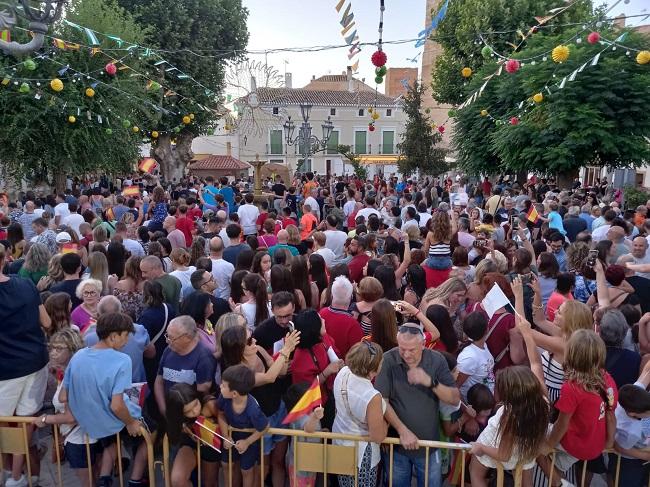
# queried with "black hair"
point(480, 397)
point(386, 276)
point(194, 305)
point(391, 245)
point(439, 316)
point(450, 358)
point(308, 323)
point(556, 237)
point(416, 277)
point(565, 281)
point(179, 396)
point(475, 325)
point(240, 379)
point(113, 323)
point(236, 291)
point(245, 260)
point(256, 285)
point(152, 294)
point(317, 272)
point(372, 266)
point(634, 399)
point(70, 262)
point(233, 230)
point(631, 313)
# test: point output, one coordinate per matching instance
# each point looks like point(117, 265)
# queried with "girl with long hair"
point(116, 256)
point(255, 304)
point(439, 316)
point(58, 307)
point(262, 265)
point(437, 245)
point(416, 285)
point(98, 269)
point(318, 273)
point(282, 280)
point(199, 306)
point(129, 289)
point(36, 263)
point(197, 249)
point(301, 281)
point(54, 274)
point(386, 276)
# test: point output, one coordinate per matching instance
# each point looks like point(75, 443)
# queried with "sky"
point(301, 23)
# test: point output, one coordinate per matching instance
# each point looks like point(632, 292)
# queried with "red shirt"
point(304, 368)
point(585, 438)
point(554, 303)
point(487, 188)
point(261, 219)
point(356, 266)
point(500, 337)
point(435, 277)
point(342, 327)
point(186, 226)
point(284, 223)
point(194, 213)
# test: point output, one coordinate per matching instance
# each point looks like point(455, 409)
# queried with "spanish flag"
point(147, 164)
point(207, 432)
point(131, 191)
point(5, 35)
point(69, 248)
point(310, 400)
point(532, 214)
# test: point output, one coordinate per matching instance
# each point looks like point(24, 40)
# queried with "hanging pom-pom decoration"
point(452, 113)
point(371, 127)
point(191, 116)
point(136, 129)
point(379, 79)
point(441, 129)
point(187, 120)
point(538, 97)
point(375, 115)
point(126, 124)
point(643, 57)
point(109, 131)
point(512, 66)
point(29, 64)
point(466, 72)
point(72, 119)
point(56, 84)
point(486, 52)
point(560, 53)
point(593, 38)
point(154, 135)
point(90, 92)
point(379, 58)
point(484, 113)
point(381, 71)
point(514, 121)
point(110, 69)
point(24, 88)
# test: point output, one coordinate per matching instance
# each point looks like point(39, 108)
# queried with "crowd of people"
point(197, 302)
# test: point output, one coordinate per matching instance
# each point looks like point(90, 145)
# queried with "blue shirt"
point(228, 196)
point(561, 259)
point(134, 348)
point(197, 367)
point(209, 192)
point(588, 219)
point(92, 378)
point(251, 417)
point(555, 222)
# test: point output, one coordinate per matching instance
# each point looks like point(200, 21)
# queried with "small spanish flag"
point(207, 432)
point(131, 191)
point(5, 35)
point(69, 248)
point(147, 164)
point(310, 400)
point(532, 214)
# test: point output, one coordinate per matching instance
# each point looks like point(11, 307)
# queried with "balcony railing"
point(387, 149)
point(275, 149)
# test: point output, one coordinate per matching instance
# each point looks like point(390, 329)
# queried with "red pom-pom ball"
point(111, 69)
point(371, 128)
point(514, 121)
point(593, 38)
point(441, 129)
point(512, 65)
point(379, 58)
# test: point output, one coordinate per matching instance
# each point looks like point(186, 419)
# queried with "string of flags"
point(349, 32)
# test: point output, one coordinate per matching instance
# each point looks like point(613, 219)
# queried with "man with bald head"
point(640, 255)
point(152, 270)
point(26, 219)
point(175, 236)
point(221, 269)
point(283, 239)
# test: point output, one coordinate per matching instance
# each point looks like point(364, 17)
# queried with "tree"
point(198, 37)
point(458, 32)
point(418, 149)
point(599, 118)
point(360, 170)
point(39, 140)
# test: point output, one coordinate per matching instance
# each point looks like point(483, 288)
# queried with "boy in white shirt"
point(475, 362)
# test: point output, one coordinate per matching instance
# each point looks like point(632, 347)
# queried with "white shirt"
point(222, 271)
point(478, 364)
point(335, 242)
point(410, 223)
point(403, 212)
point(133, 246)
point(644, 260)
point(600, 233)
point(248, 218)
point(348, 208)
point(313, 204)
point(366, 212)
point(629, 431)
point(73, 220)
point(224, 236)
point(61, 210)
point(424, 218)
point(186, 283)
point(328, 256)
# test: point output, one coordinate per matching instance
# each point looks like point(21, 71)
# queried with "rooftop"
point(219, 163)
point(328, 98)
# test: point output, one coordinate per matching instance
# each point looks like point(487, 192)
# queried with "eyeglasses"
point(284, 317)
point(211, 279)
point(58, 348)
point(89, 293)
point(173, 339)
point(412, 329)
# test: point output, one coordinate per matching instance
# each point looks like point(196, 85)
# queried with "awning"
point(380, 159)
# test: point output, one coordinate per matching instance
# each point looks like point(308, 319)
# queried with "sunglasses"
point(413, 330)
point(370, 348)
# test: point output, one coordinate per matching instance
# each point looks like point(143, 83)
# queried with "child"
point(308, 424)
point(238, 409)
point(631, 434)
point(184, 405)
point(475, 362)
point(479, 408)
point(586, 423)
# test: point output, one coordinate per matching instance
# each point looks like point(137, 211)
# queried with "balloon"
point(110, 69)
point(56, 84)
point(90, 92)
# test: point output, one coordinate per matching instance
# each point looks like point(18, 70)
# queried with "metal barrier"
point(14, 440)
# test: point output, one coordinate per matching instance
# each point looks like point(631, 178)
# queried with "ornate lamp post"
point(40, 17)
point(307, 142)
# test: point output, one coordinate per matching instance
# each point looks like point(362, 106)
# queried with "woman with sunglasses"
point(360, 409)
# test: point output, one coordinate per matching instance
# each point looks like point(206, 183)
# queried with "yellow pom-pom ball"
point(643, 57)
point(154, 135)
point(375, 115)
point(72, 119)
point(369, 109)
point(484, 113)
point(187, 120)
point(191, 116)
point(136, 129)
point(560, 53)
point(90, 92)
point(466, 72)
point(538, 97)
point(227, 127)
point(56, 84)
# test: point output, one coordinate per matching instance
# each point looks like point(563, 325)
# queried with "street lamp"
point(40, 15)
point(307, 142)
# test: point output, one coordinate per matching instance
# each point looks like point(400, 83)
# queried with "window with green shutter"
point(333, 143)
point(276, 142)
point(360, 142)
point(388, 142)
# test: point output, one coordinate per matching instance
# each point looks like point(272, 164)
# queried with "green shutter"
point(360, 142)
point(333, 143)
point(276, 142)
point(387, 143)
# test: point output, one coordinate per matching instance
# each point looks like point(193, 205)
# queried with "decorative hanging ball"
point(90, 92)
point(441, 129)
point(484, 113)
point(24, 88)
point(154, 86)
point(375, 115)
point(514, 121)
point(109, 131)
point(381, 71)
point(466, 72)
point(110, 69)
point(512, 66)
point(535, 29)
point(136, 129)
point(486, 52)
point(126, 123)
point(371, 127)
point(434, 125)
point(452, 113)
point(191, 116)
point(187, 120)
point(56, 84)
point(72, 119)
point(427, 110)
point(379, 58)
point(560, 53)
point(227, 127)
point(177, 130)
point(29, 64)
point(379, 79)
point(643, 57)
point(154, 135)
point(593, 38)
point(538, 97)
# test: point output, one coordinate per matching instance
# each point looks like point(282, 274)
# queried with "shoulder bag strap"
point(494, 327)
point(164, 327)
point(346, 402)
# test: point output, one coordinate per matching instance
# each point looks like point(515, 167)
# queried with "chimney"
point(350, 79)
point(287, 80)
point(228, 149)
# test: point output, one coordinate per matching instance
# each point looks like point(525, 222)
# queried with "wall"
point(393, 86)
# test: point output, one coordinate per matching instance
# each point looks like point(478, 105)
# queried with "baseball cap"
point(63, 237)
